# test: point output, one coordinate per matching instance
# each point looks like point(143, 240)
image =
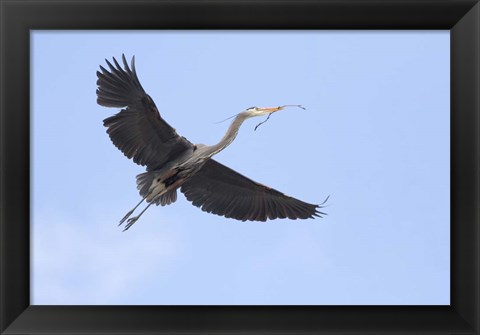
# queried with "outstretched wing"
point(138, 130)
point(218, 189)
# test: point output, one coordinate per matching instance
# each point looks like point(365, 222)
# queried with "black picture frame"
point(18, 17)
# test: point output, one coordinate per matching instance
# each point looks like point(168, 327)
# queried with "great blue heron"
point(173, 162)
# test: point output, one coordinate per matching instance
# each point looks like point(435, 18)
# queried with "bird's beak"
point(270, 110)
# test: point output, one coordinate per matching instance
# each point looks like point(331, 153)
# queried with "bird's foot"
point(130, 222)
point(125, 217)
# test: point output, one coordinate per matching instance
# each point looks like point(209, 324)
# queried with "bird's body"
point(172, 162)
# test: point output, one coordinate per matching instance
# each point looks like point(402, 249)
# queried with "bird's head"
point(260, 111)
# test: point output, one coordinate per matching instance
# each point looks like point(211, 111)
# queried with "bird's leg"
point(131, 221)
point(130, 213)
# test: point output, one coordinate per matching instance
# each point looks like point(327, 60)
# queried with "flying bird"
point(172, 162)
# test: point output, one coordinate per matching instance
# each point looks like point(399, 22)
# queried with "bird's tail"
point(145, 181)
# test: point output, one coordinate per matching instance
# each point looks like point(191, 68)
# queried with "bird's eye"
point(252, 108)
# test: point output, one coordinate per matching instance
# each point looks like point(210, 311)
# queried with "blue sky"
point(375, 137)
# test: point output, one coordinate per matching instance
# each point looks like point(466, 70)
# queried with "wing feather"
point(137, 130)
point(220, 190)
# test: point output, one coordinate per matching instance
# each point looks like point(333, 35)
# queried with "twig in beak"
point(299, 106)
point(280, 107)
point(263, 121)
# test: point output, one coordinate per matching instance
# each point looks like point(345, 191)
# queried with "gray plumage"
point(172, 162)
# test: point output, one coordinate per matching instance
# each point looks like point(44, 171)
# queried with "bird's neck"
point(230, 134)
